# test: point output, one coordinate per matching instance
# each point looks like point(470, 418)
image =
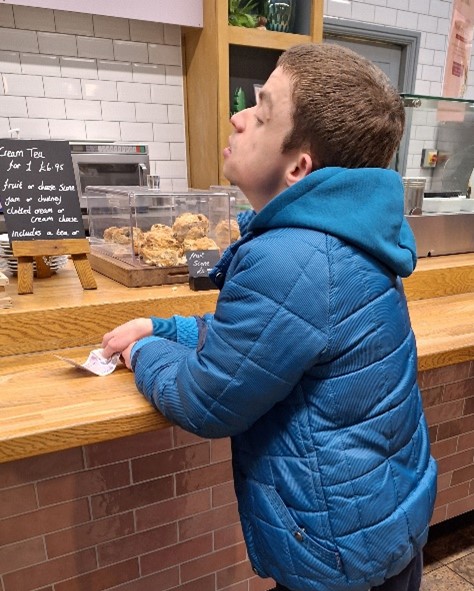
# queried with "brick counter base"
point(157, 511)
point(151, 512)
point(448, 399)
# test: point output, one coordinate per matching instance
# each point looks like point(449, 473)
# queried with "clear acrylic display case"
point(152, 228)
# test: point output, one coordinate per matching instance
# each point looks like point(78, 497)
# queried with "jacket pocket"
point(280, 547)
point(298, 532)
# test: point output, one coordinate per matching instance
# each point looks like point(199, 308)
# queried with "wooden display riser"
point(132, 276)
point(5, 300)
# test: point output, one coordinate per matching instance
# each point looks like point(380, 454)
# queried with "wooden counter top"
point(47, 405)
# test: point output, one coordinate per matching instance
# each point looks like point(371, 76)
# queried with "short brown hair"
point(345, 110)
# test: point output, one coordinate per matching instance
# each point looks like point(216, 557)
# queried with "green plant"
point(243, 13)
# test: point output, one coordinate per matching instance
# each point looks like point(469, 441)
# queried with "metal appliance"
point(108, 163)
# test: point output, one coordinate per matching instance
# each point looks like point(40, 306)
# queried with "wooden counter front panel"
point(61, 314)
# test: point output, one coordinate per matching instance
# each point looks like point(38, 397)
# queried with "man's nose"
point(238, 119)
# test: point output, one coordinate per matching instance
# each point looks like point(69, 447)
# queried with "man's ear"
point(302, 166)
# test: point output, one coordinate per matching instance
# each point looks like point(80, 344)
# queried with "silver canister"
point(414, 190)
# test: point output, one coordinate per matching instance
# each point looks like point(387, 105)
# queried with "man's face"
point(253, 160)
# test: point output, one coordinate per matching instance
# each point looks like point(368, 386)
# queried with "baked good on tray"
point(165, 246)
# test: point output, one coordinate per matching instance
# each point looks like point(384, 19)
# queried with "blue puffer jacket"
point(309, 364)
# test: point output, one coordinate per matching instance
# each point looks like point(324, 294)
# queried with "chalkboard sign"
point(200, 262)
point(38, 190)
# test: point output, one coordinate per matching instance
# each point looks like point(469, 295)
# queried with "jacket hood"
point(362, 206)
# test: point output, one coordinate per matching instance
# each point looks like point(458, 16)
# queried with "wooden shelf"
point(208, 70)
point(264, 39)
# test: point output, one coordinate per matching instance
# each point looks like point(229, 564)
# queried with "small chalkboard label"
point(38, 190)
point(200, 262)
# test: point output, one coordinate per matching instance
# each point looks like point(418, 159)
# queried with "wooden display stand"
point(5, 301)
point(28, 252)
point(132, 275)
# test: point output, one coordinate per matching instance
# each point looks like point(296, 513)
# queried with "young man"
point(309, 362)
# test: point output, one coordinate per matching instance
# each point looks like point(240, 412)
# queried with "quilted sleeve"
point(269, 327)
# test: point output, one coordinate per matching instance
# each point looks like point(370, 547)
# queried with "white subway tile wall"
point(432, 18)
point(78, 76)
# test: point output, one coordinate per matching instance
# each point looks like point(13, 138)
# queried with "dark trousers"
point(408, 580)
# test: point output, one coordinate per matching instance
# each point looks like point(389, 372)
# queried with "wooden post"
point(28, 251)
point(5, 301)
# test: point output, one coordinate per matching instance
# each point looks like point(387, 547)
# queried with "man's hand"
point(123, 337)
point(126, 355)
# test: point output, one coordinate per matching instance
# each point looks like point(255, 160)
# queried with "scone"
point(227, 231)
point(204, 243)
point(194, 224)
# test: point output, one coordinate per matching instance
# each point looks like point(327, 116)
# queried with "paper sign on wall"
point(458, 55)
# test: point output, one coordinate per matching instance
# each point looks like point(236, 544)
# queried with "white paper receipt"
point(96, 363)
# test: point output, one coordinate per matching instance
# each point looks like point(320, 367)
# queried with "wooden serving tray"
point(132, 276)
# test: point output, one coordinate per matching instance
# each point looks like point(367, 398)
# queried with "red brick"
point(213, 562)
point(207, 583)
point(169, 462)
point(125, 448)
point(203, 477)
point(89, 534)
point(443, 448)
point(463, 474)
point(469, 405)
point(52, 571)
point(241, 586)
point(137, 544)
point(220, 450)
point(20, 499)
point(453, 493)
point(173, 509)
point(456, 508)
point(176, 554)
point(104, 578)
point(439, 514)
point(167, 579)
point(223, 494)
point(455, 427)
point(182, 437)
point(205, 522)
point(456, 461)
point(234, 573)
point(444, 412)
point(81, 484)
point(228, 536)
point(444, 375)
point(258, 584)
point(20, 555)
point(40, 467)
point(432, 396)
point(466, 441)
point(132, 497)
point(459, 390)
point(444, 480)
point(433, 432)
point(42, 521)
